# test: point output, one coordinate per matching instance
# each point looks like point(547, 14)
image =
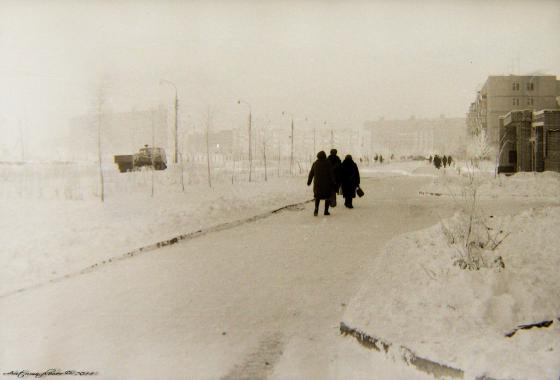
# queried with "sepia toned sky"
point(341, 62)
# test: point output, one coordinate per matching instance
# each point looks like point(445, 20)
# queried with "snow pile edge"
point(155, 246)
point(428, 366)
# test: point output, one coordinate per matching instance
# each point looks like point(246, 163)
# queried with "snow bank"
point(47, 237)
point(545, 186)
point(395, 167)
point(416, 298)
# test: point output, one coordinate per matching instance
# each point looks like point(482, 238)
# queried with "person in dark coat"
point(437, 161)
point(324, 183)
point(350, 180)
point(335, 162)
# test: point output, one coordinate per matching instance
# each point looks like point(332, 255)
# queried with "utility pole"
point(176, 143)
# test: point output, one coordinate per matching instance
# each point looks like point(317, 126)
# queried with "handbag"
point(332, 199)
point(360, 192)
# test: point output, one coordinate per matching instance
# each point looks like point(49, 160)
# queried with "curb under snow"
point(438, 370)
point(155, 246)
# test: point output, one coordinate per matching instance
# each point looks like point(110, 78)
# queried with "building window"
point(515, 86)
point(530, 86)
point(529, 101)
point(515, 101)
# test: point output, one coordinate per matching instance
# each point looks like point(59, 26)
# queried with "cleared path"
point(261, 300)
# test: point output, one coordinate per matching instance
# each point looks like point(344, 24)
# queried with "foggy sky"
point(344, 62)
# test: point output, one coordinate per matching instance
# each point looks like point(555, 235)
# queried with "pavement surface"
point(262, 300)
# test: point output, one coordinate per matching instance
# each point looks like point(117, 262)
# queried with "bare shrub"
point(470, 233)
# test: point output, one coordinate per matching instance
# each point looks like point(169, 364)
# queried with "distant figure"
point(324, 183)
point(430, 159)
point(380, 159)
point(449, 161)
point(437, 161)
point(444, 160)
point(350, 180)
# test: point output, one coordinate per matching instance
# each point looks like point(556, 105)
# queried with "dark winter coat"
point(349, 178)
point(322, 175)
point(335, 162)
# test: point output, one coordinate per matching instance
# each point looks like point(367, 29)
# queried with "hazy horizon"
point(344, 63)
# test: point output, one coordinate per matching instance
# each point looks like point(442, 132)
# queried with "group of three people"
point(330, 175)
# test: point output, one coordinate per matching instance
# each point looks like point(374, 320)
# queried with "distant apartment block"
point(531, 141)
point(502, 94)
point(416, 136)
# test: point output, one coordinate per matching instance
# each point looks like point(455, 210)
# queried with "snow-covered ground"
point(284, 282)
point(54, 225)
point(53, 222)
point(416, 297)
point(451, 182)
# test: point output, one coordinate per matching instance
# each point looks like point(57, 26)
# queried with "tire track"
point(259, 364)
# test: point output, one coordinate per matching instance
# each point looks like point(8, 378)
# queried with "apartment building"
point(531, 141)
point(502, 94)
point(415, 136)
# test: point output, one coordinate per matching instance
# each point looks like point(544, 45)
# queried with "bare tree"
point(279, 158)
point(152, 116)
point(182, 164)
point(208, 120)
point(503, 143)
point(22, 140)
point(264, 156)
point(479, 147)
point(250, 150)
point(100, 103)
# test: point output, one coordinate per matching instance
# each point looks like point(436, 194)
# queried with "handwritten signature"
point(50, 372)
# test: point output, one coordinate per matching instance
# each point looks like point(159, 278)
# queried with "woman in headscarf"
point(324, 183)
point(350, 180)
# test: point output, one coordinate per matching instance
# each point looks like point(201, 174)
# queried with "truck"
point(146, 157)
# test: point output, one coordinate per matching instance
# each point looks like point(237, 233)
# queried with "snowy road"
point(261, 300)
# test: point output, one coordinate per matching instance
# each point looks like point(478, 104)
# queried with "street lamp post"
point(176, 113)
point(250, 148)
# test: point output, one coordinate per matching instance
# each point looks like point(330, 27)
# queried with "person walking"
point(335, 162)
point(349, 179)
point(322, 175)
point(437, 161)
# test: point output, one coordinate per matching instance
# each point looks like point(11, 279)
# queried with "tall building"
point(502, 94)
point(414, 136)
